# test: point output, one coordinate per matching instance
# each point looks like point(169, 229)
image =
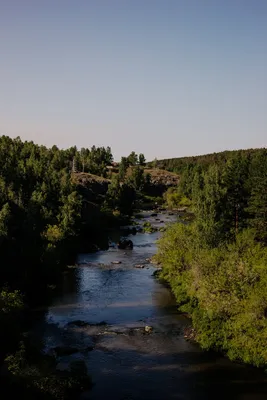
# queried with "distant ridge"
point(178, 164)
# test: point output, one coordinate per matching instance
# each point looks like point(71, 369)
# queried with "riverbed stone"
point(78, 323)
point(83, 324)
point(148, 329)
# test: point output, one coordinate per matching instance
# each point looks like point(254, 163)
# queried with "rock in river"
point(148, 329)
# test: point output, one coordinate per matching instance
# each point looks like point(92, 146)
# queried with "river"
point(101, 312)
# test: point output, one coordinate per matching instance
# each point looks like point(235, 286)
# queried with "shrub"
point(224, 290)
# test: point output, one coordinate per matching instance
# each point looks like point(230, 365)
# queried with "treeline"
point(217, 264)
point(183, 164)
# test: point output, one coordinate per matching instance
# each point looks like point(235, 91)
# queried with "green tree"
point(137, 179)
point(120, 196)
point(257, 204)
point(142, 160)
point(124, 164)
point(132, 158)
point(5, 215)
point(208, 203)
point(235, 176)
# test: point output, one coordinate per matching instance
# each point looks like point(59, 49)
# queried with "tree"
point(137, 179)
point(124, 164)
point(257, 204)
point(83, 154)
point(234, 179)
point(5, 214)
point(127, 199)
point(74, 165)
point(120, 196)
point(132, 158)
point(142, 160)
point(148, 181)
point(208, 203)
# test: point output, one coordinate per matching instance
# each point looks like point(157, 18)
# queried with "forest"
point(181, 164)
point(43, 209)
point(216, 264)
point(44, 217)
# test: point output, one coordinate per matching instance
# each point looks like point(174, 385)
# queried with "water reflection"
point(114, 295)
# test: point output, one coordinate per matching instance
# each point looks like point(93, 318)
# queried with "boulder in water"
point(78, 323)
point(125, 244)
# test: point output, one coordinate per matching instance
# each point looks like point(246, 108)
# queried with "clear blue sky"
point(164, 77)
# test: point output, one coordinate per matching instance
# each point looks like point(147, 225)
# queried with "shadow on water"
point(161, 365)
point(187, 375)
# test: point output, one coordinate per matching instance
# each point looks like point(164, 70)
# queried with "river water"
point(101, 312)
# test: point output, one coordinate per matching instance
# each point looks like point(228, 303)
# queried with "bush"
point(224, 290)
point(40, 379)
point(175, 199)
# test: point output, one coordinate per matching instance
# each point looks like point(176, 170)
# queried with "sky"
point(168, 78)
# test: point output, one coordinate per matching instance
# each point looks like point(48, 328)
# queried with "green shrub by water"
point(223, 289)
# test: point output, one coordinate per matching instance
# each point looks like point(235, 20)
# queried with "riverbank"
point(223, 290)
point(100, 314)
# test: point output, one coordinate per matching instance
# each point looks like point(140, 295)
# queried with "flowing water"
point(101, 313)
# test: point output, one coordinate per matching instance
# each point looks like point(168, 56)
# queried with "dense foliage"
point(184, 164)
point(41, 206)
point(44, 213)
point(217, 265)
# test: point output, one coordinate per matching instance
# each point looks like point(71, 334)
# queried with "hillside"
point(93, 186)
point(162, 177)
point(95, 182)
point(180, 163)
